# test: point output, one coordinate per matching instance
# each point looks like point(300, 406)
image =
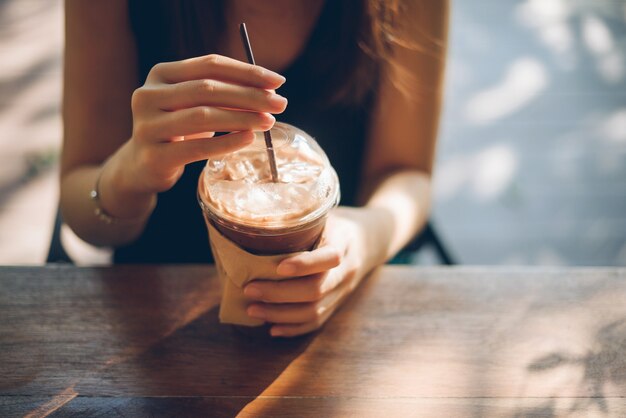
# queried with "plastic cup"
point(239, 199)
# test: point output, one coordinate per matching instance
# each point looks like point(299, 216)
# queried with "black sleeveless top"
point(175, 232)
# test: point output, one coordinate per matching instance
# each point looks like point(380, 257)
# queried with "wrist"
point(118, 194)
point(379, 226)
point(373, 234)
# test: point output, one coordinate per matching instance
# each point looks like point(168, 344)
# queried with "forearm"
point(398, 209)
point(130, 210)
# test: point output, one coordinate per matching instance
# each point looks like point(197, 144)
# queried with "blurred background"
point(532, 154)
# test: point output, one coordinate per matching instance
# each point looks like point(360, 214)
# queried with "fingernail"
point(276, 332)
point(286, 269)
point(274, 76)
point(252, 292)
point(256, 312)
point(280, 78)
point(278, 100)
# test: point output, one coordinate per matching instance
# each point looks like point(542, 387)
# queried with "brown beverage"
point(240, 200)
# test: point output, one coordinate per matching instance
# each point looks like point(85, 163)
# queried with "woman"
point(148, 83)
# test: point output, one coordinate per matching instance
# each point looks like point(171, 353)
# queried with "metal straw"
point(268, 137)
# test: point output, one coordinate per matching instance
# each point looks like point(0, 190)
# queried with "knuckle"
point(200, 116)
point(157, 68)
point(213, 59)
point(256, 72)
point(138, 99)
point(207, 87)
point(156, 71)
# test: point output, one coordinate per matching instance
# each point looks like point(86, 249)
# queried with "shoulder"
point(403, 130)
point(100, 75)
point(99, 14)
point(418, 42)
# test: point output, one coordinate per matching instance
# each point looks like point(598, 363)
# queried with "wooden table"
point(145, 341)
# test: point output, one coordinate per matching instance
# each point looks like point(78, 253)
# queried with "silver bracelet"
point(103, 215)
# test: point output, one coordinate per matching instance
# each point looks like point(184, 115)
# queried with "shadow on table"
point(183, 362)
point(220, 366)
point(604, 364)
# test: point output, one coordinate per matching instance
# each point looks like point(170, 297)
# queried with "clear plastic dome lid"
point(238, 187)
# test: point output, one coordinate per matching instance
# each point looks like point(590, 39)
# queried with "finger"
point(287, 313)
point(218, 93)
point(216, 67)
point(188, 151)
point(300, 289)
point(200, 135)
point(323, 311)
point(310, 262)
point(202, 119)
point(294, 330)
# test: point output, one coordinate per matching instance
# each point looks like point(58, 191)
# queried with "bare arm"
point(99, 78)
point(396, 193)
point(403, 134)
point(138, 140)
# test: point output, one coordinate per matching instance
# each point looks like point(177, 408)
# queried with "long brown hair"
point(357, 41)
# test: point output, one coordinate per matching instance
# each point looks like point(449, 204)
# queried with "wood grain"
point(145, 340)
point(222, 407)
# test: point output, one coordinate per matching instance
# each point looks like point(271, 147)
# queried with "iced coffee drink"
point(254, 222)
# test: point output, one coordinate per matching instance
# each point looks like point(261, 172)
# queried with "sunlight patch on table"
point(53, 404)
